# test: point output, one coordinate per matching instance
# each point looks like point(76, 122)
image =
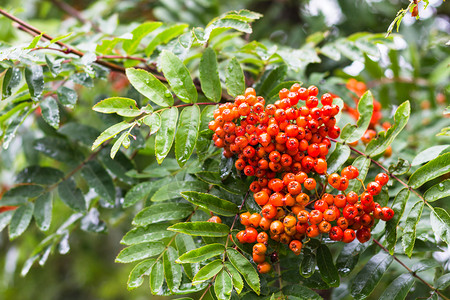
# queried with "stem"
point(434, 290)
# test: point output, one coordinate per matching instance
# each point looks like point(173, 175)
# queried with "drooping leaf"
point(399, 288)
point(437, 167)
point(50, 111)
point(337, 158)
point(409, 231)
point(351, 133)
point(380, 144)
point(201, 229)
point(99, 179)
point(234, 78)
point(185, 243)
point(139, 251)
point(71, 195)
point(209, 76)
point(298, 292)
point(201, 254)
point(172, 271)
point(223, 285)
point(139, 33)
point(366, 280)
point(123, 140)
point(136, 277)
point(34, 76)
point(162, 212)
point(156, 278)
point(349, 256)
point(165, 136)
point(211, 203)
point(440, 223)
point(149, 86)
point(245, 268)
point(149, 233)
point(438, 191)
point(110, 133)
point(208, 271)
point(326, 266)
point(20, 220)
point(443, 282)
point(125, 107)
point(308, 265)
point(178, 76)
point(428, 154)
point(43, 211)
point(187, 133)
point(398, 206)
point(5, 219)
point(238, 283)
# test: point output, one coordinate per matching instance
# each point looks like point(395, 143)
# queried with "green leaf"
point(149, 86)
point(271, 79)
point(156, 278)
point(187, 133)
point(298, 292)
point(399, 288)
point(43, 211)
point(440, 223)
point(238, 283)
point(34, 42)
point(362, 164)
point(138, 193)
point(211, 203)
point(351, 133)
point(125, 107)
point(400, 168)
point(438, 191)
point(164, 36)
point(34, 76)
point(428, 154)
point(330, 51)
point(23, 191)
point(379, 145)
point(71, 195)
point(172, 271)
point(173, 189)
point(5, 219)
point(245, 268)
point(185, 243)
point(234, 78)
point(435, 168)
point(153, 121)
point(139, 33)
point(178, 77)
point(327, 269)
point(122, 140)
point(140, 251)
point(58, 149)
point(201, 254)
point(349, 50)
point(349, 256)
point(162, 212)
point(99, 179)
point(337, 158)
point(165, 136)
point(366, 280)
point(209, 75)
point(20, 220)
point(231, 185)
point(111, 132)
point(39, 175)
point(205, 134)
point(149, 233)
point(136, 277)
point(443, 282)
point(223, 285)
point(398, 206)
point(409, 231)
point(308, 265)
point(425, 264)
point(201, 229)
point(208, 271)
point(50, 111)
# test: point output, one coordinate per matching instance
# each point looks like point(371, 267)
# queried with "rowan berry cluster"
point(284, 145)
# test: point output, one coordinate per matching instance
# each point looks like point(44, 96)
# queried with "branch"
point(409, 270)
